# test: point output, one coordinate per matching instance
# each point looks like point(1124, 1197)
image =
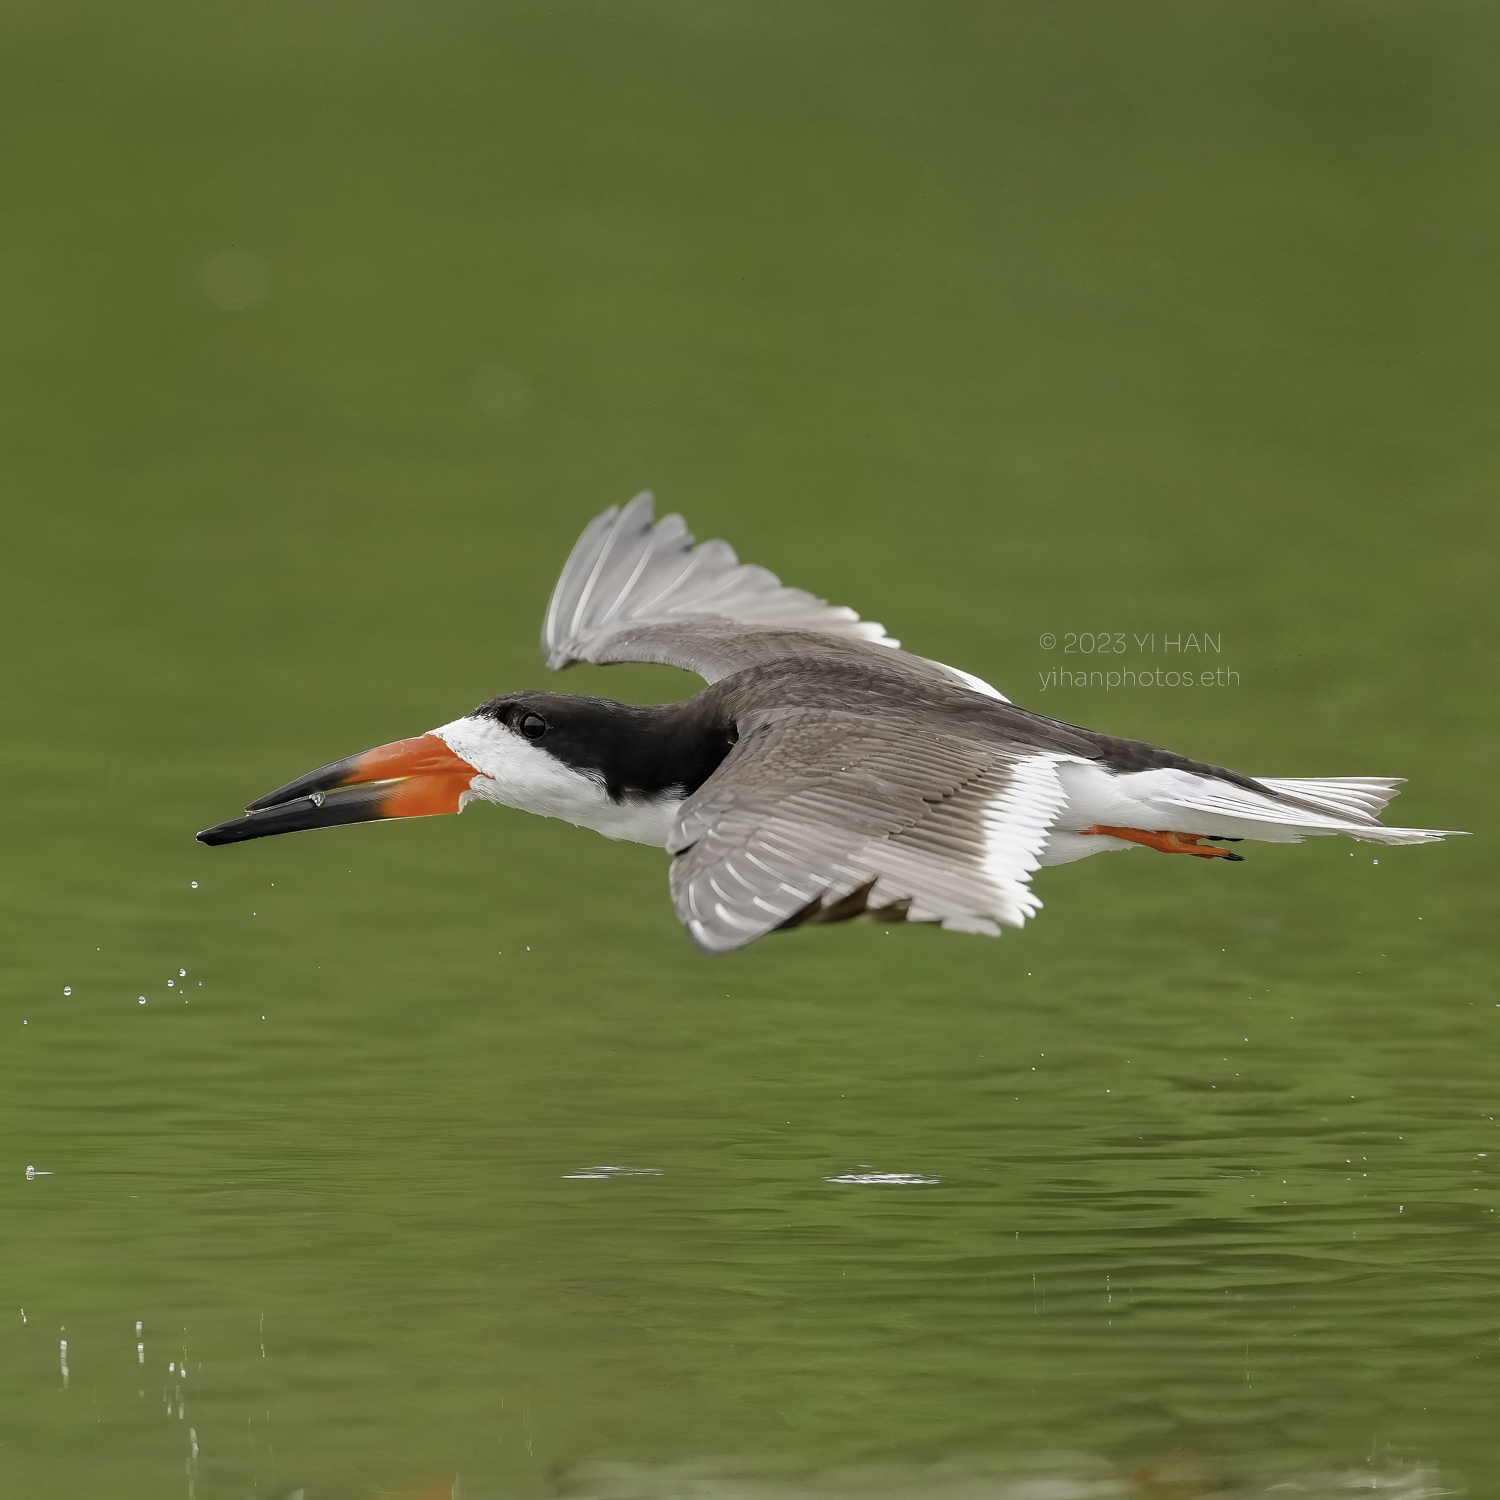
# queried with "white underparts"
point(516, 773)
point(1063, 848)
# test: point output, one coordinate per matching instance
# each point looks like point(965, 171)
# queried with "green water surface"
point(323, 330)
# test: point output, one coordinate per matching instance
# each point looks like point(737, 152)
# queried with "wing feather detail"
point(818, 815)
point(635, 589)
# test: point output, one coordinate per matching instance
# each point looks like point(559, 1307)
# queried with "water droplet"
point(171, 983)
point(67, 989)
point(142, 999)
point(194, 884)
point(182, 973)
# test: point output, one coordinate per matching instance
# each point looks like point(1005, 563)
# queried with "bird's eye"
point(533, 726)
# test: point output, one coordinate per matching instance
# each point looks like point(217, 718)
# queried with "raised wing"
point(634, 590)
point(638, 590)
point(819, 816)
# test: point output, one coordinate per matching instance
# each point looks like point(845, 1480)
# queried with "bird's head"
point(548, 753)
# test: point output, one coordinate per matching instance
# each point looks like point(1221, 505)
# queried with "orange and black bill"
point(413, 778)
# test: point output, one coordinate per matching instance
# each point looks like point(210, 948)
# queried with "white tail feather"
point(1353, 797)
point(1354, 801)
point(1289, 810)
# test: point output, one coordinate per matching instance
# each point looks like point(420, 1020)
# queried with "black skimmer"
point(823, 774)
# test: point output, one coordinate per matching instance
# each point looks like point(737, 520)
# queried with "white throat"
point(516, 773)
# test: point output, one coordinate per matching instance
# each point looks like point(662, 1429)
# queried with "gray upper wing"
point(638, 590)
point(819, 815)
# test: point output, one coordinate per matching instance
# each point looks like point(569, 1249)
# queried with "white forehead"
point(523, 771)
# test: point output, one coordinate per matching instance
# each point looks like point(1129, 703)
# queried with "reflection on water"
point(592, 1172)
point(1052, 1477)
point(894, 1179)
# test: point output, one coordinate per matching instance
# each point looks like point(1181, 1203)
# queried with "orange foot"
point(1166, 843)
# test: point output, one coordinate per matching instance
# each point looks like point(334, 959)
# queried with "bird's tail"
point(1354, 803)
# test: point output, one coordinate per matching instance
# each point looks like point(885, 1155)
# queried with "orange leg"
point(1166, 843)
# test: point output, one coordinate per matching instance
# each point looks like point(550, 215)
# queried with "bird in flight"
point(823, 773)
